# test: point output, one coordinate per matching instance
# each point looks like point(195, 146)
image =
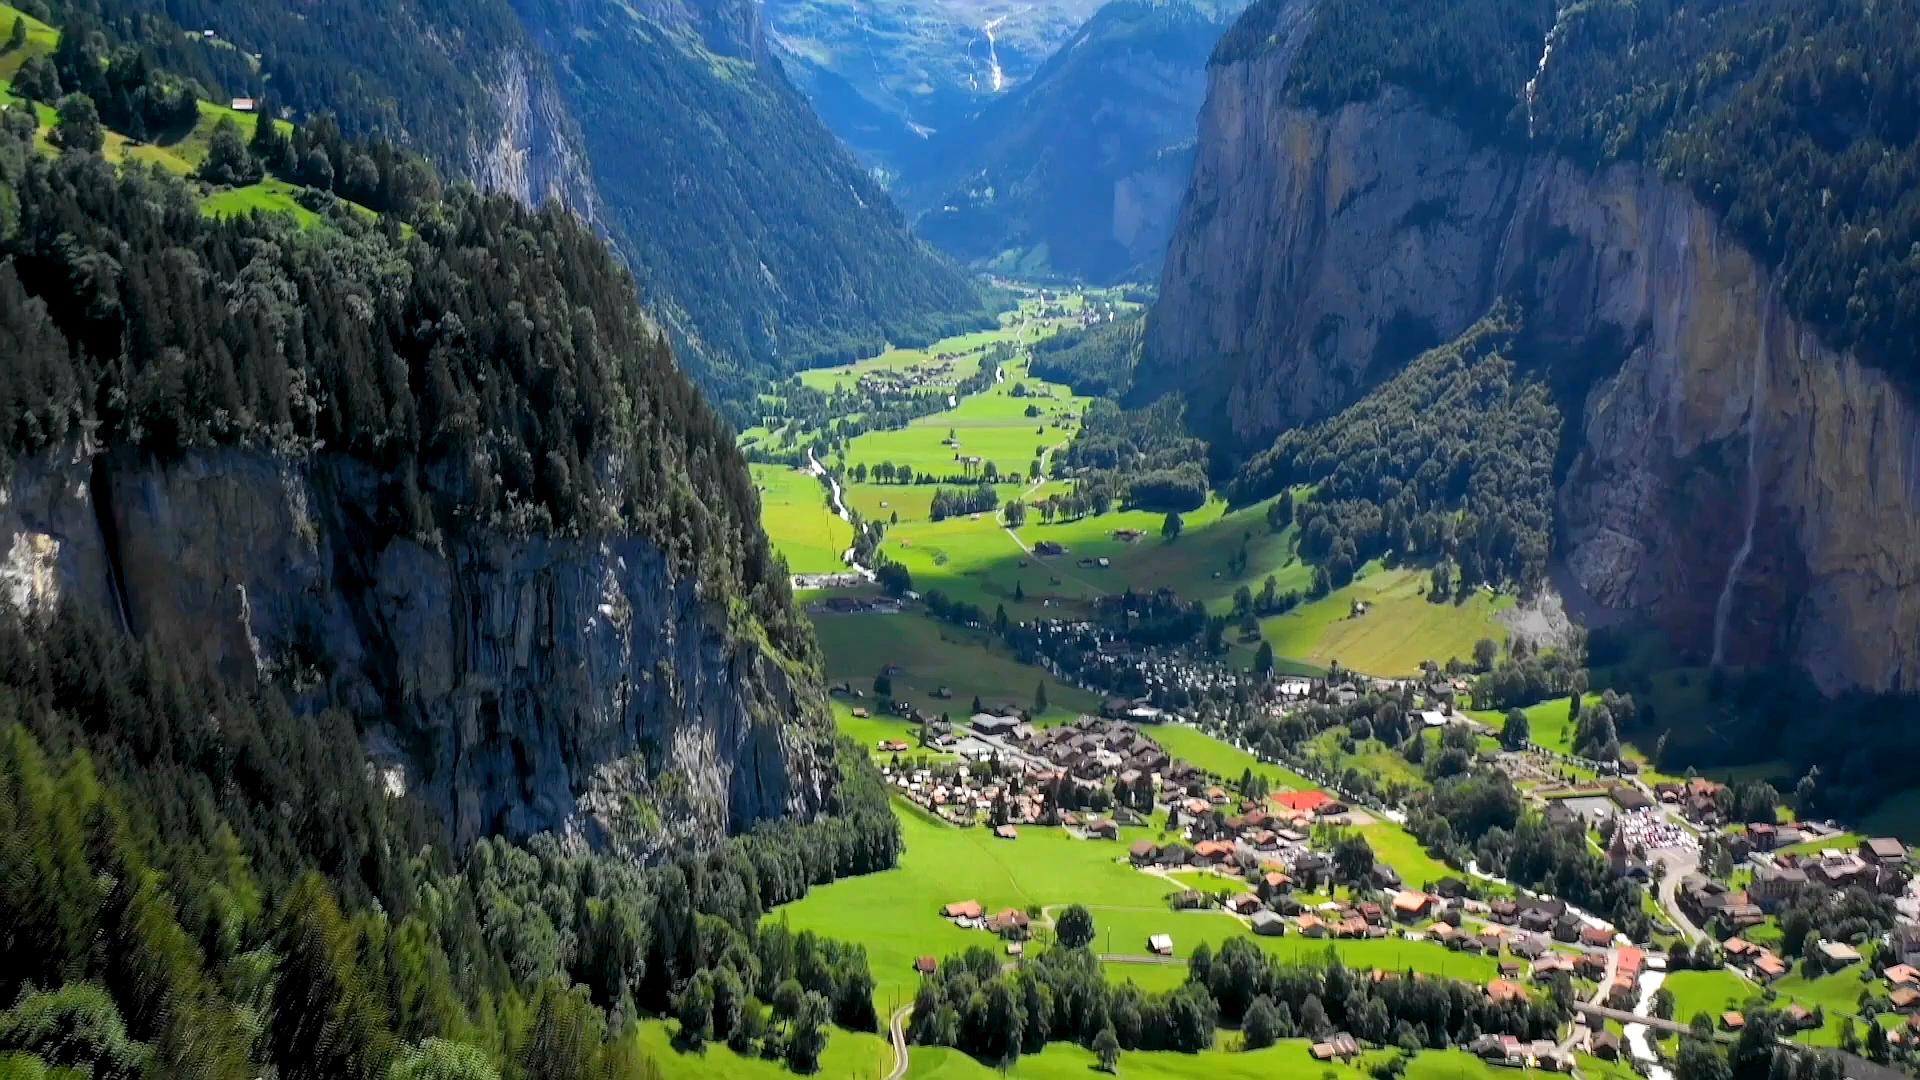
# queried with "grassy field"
point(1289, 1058)
point(871, 731)
point(896, 914)
point(1548, 721)
point(270, 196)
point(1397, 848)
point(932, 654)
point(1399, 631)
point(1843, 841)
point(1222, 758)
point(794, 511)
point(1373, 757)
point(992, 425)
point(1710, 992)
point(41, 39)
point(1066, 1061)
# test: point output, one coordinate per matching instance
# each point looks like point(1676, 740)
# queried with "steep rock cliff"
point(1754, 491)
point(535, 153)
point(519, 683)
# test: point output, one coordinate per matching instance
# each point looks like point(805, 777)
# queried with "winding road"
point(897, 1030)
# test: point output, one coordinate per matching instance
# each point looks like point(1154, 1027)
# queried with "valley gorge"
point(1317, 249)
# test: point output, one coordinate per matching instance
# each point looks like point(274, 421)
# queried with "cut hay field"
point(793, 510)
point(1400, 630)
point(932, 654)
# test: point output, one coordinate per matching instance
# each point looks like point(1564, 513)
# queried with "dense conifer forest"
point(756, 238)
point(490, 360)
point(201, 881)
point(1097, 360)
point(1451, 459)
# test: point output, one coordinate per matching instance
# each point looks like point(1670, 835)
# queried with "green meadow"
point(991, 425)
point(1710, 992)
point(270, 196)
point(931, 655)
point(1223, 759)
point(896, 914)
point(41, 38)
point(1400, 629)
point(793, 508)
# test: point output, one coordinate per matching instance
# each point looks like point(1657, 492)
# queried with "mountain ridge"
point(1386, 213)
point(1077, 170)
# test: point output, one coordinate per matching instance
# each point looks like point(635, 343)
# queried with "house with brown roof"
point(1500, 991)
point(1732, 1021)
point(1011, 923)
point(1884, 851)
point(962, 909)
point(1340, 1047)
point(1902, 975)
point(926, 965)
point(1411, 906)
point(1142, 852)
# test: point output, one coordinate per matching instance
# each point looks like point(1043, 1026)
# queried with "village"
point(1283, 864)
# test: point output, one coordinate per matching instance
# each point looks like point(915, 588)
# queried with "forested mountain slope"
point(1706, 212)
point(755, 236)
point(1078, 170)
point(343, 555)
point(761, 235)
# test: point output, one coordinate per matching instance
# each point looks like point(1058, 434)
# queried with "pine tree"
point(77, 127)
point(17, 37)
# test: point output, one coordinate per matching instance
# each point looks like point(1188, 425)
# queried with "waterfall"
point(1724, 608)
point(999, 79)
point(1546, 53)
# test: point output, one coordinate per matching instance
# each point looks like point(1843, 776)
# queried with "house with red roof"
point(1302, 802)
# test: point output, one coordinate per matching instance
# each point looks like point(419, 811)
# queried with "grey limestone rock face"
point(1313, 246)
point(519, 684)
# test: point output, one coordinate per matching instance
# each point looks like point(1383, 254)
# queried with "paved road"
point(1578, 1031)
point(897, 1028)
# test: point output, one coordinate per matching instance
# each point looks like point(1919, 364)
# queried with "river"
point(840, 508)
point(1639, 1036)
